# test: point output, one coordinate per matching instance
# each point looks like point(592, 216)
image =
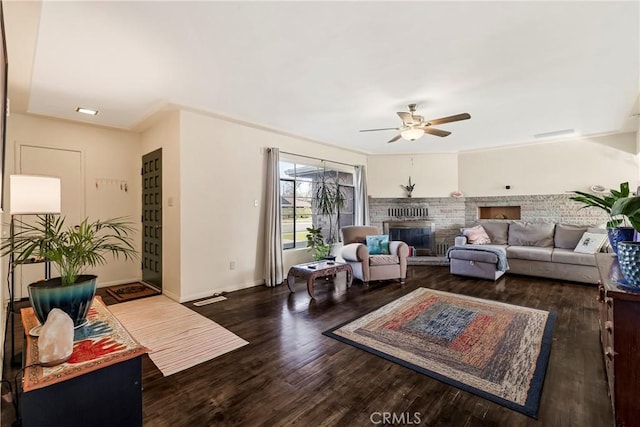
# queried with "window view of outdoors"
point(300, 205)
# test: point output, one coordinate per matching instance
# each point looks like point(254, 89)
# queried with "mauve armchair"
point(368, 267)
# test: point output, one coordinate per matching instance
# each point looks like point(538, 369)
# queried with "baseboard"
point(211, 292)
point(171, 295)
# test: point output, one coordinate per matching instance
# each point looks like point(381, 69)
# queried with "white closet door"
point(66, 164)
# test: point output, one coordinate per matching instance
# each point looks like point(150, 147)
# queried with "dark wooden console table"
point(620, 337)
point(314, 270)
point(100, 385)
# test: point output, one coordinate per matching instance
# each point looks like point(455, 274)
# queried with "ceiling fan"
point(414, 126)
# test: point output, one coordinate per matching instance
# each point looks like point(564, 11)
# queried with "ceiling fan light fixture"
point(411, 133)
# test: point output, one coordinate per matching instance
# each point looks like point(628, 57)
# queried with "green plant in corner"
point(328, 199)
point(316, 244)
point(605, 203)
point(70, 249)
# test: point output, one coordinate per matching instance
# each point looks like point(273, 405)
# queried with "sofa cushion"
point(568, 256)
point(498, 232)
point(476, 235)
point(532, 253)
point(567, 236)
point(383, 259)
point(477, 256)
point(531, 234)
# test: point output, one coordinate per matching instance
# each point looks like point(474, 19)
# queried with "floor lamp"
point(29, 195)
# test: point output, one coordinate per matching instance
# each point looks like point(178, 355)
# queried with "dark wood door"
point(152, 218)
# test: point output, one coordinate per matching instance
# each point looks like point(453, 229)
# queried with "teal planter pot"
point(629, 262)
point(619, 234)
point(75, 299)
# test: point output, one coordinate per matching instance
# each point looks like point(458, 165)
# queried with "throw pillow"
point(378, 244)
point(476, 235)
point(590, 243)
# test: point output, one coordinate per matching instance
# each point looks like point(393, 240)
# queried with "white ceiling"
point(325, 70)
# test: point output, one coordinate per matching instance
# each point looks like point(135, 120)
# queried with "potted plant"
point(617, 227)
point(71, 250)
point(316, 244)
point(628, 250)
point(327, 200)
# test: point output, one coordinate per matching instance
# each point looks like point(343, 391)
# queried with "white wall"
point(545, 168)
point(551, 168)
point(165, 134)
point(108, 154)
point(434, 175)
point(222, 167)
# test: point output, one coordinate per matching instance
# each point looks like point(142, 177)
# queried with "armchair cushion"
point(384, 259)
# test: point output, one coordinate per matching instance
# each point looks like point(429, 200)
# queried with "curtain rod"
point(315, 158)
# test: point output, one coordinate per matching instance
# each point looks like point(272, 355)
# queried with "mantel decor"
point(408, 188)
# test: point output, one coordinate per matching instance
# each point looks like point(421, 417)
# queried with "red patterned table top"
point(102, 342)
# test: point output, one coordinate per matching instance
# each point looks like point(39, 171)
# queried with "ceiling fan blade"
point(449, 119)
point(436, 132)
point(394, 139)
point(375, 130)
point(405, 117)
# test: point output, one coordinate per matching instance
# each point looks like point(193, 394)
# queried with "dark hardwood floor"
point(291, 374)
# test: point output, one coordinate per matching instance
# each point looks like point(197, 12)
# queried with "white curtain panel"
point(273, 265)
point(361, 208)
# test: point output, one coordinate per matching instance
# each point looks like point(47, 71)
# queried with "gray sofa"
point(531, 248)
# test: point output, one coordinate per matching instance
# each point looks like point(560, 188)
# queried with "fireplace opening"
point(419, 234)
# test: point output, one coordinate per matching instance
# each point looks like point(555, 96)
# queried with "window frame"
point(296, 162)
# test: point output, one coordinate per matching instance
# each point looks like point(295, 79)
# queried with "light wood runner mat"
point(177, 337)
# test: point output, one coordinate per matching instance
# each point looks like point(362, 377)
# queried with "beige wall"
point(107, 154)
point(165, 134)
point(222, 175)
point(546, 168)
point(551, 168)
point(434, 175)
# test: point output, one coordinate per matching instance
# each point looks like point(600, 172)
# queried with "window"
point(301, 205)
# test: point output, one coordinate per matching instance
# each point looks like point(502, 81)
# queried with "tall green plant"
point(605, 203)
point(70, 249)
point(328, 199)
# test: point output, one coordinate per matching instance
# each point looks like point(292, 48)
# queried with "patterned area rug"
point(497, 351)
point(131, 291)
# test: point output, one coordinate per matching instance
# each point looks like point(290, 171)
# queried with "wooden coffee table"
point(313, 270)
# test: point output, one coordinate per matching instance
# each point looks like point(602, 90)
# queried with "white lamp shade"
point(31, 194)
point(412, 134)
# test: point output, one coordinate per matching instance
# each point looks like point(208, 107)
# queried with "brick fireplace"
point(449, 214)
point(419, 234)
